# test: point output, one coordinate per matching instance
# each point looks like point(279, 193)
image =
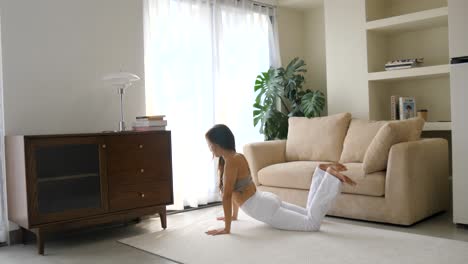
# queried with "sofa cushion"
point(372, 184)
point(294, 174)
point(316, 139)
point(298, 175)
point(393, 132)
point(358, 138)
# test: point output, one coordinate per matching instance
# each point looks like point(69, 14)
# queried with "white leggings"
point(268, 207)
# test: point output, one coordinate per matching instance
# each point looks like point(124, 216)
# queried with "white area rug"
point(255, 242)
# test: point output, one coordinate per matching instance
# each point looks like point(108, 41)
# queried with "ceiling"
point(300, 4)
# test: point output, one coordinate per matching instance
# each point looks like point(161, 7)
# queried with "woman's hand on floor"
point(221, 218)
point(216, 232)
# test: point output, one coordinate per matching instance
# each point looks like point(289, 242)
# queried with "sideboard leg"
point(40, 241)
point(163, 216)
point(23, 233)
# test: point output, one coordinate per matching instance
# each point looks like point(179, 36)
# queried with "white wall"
point(347, 85)
point(291, 33)
point(302, 34)
point(316, 76)
point(54, 55)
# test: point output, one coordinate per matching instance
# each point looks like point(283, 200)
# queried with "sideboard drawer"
point(136, 152)
point(140, 195)
point(139, 175)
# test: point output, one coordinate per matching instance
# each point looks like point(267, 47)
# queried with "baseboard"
point(188, 208)
point(30, 237)
point(15, 235)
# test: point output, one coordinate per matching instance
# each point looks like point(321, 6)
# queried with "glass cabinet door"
point(68, 178)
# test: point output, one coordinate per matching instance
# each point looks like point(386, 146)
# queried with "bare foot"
point(343, 178)
point(335, 166)
point(339, 167)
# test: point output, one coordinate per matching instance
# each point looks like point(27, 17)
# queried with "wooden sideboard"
point(55, 182)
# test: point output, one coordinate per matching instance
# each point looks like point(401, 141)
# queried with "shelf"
point(410, 22)
point(437, 126)
point(413, 73)
point(68, 177)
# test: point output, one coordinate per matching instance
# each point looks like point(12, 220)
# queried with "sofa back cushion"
point(358, 138)
point(393, 132)
point(316, 139)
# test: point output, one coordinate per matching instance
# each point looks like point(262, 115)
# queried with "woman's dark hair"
point(222, 136)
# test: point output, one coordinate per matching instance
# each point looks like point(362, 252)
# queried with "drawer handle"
point(104, 146)
point(142, 195)
point(140, 146)
point(142, 170)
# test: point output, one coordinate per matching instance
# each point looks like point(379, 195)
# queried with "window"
point(201, 61)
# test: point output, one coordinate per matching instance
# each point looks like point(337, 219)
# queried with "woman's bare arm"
point(230, 176)
point(235, 210)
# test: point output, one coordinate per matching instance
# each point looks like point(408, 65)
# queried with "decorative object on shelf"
point(394, 109)
point(403, 64)
point(284, 85)
point(422, 113)
point(121, 81)
point(407, 107)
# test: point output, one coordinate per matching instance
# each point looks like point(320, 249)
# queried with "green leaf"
point(256, 119)
point(313, 103)
point(284, 85)
point(276, 125)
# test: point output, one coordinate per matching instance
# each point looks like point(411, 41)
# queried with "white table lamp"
point(121, 80)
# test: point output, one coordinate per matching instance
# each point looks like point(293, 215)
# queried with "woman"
point(238, 190)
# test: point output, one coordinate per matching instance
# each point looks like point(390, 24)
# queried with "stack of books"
point(402, 108)
point(150, 123)
point(403, 64)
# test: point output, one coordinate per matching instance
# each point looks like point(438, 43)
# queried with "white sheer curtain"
point(245, 47)
point(201, 61)
point(3, 220)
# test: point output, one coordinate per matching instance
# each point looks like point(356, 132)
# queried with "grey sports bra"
point(241, 185)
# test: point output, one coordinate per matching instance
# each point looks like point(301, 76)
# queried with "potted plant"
point(281, 95)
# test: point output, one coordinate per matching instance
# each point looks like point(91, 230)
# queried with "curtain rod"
point(257, 3)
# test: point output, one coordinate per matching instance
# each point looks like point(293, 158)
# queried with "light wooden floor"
point(99, 245)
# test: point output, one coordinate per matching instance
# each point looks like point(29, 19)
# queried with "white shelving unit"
point(411, 22)
point(414, 73)
point(437, 126)
point(401, 29)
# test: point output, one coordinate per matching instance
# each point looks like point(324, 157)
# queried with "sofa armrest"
point(417, 180)
point(262, 154)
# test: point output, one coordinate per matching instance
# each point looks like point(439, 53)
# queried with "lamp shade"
point(121, 78)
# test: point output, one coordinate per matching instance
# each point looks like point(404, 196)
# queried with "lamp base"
point(121, 126)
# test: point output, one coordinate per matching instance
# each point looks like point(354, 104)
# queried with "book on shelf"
point(394, 109)
point(150, 117)
point(149, 123)
point(391, 68)
point(405, 61)
point(143, 123)
point(407, 107)
point(403, 64)
point(149, 128)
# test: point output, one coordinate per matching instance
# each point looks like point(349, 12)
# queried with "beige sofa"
point(401, 179)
